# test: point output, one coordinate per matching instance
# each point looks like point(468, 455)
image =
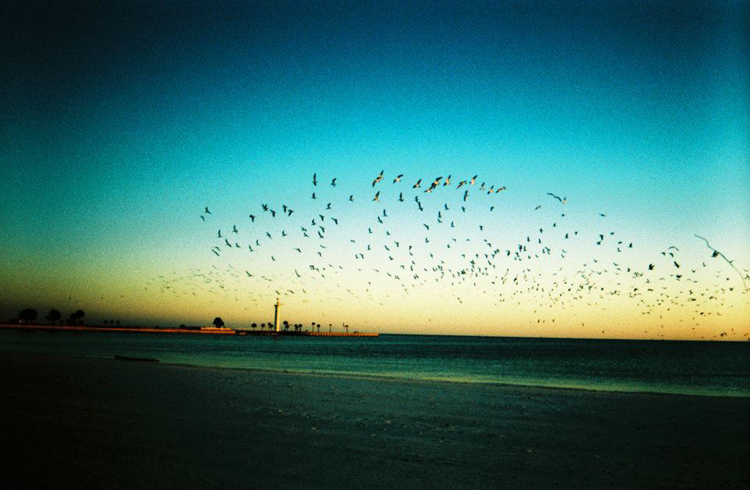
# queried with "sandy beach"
point(71, 421)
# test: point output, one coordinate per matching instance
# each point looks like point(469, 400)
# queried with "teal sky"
point(121, 121)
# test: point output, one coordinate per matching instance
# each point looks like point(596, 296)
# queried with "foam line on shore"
point(407, 379)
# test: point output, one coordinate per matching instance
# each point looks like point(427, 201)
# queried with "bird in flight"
point(252, 218)
point(207, 211)
point(562, 200)
point(377, 197)
point(378, 178)
point(315, 179)
point(234, 229)
point(333, 183)
point(398, 178)
point(415, 186)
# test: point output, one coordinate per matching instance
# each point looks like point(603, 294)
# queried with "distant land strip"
point(191, 331)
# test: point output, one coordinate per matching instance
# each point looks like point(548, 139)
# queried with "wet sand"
point(69, 422)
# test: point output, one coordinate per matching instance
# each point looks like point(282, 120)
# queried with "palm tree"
point(53, 316)
point(218, 322)
point(254, 326)
point(347, 328)
point(286, 325)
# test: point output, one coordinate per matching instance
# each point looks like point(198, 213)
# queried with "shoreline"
point(75, 420)
point(385, 378)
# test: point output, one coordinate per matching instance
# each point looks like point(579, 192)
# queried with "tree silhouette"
point(254, 326)
point(76, 318)
point(286, 325)
point(262, 326)
point(218, 322)
point(53, 316)
point(27, 315)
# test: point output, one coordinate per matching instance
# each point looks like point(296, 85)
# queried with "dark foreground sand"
point(70, 422)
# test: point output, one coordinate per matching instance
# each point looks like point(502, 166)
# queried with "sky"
point(123, 121)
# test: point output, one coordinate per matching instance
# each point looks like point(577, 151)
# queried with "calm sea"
point(695, 368)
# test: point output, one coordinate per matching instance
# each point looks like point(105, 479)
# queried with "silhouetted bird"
point(562, 200)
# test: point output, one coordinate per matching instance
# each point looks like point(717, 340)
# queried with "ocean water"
point(689, 368)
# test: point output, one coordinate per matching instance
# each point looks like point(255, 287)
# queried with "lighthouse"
point(277, 316)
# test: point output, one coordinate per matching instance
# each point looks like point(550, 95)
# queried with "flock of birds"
point(426, 238)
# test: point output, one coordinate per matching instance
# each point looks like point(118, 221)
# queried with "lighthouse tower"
point(277, 316)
